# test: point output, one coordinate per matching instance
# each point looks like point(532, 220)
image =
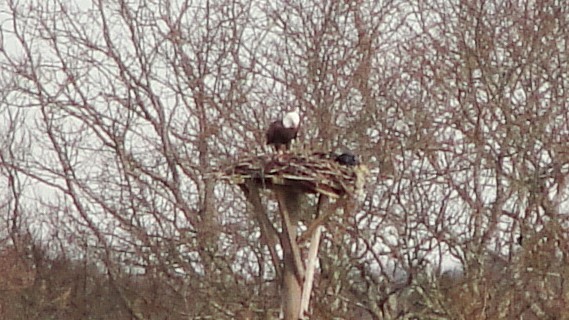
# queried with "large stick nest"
point(316, 172)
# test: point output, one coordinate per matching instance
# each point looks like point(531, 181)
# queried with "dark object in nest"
point(347, 159)
point(318, 172)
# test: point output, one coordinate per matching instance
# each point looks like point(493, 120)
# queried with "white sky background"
point(391, 224)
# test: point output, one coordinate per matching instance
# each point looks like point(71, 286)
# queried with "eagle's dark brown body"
point(280, 136)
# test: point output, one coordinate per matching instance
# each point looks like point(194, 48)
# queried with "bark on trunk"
point(293, 268)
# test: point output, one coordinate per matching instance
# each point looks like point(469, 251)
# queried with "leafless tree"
point(115, 114)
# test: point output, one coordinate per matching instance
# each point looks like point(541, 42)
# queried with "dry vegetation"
point(115, 113)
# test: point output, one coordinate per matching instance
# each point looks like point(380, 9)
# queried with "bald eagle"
point(281, 132)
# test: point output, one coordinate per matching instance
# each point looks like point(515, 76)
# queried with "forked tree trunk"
point(293, 269)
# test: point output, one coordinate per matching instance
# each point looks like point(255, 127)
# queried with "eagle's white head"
point(292, 119)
